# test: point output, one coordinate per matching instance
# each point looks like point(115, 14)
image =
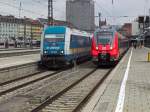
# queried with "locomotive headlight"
point(96, 48)
point(111, 47)
point(45, 52)
point(62, 52)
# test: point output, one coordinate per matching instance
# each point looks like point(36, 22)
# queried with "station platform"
point(11, 49)
point(127, 88)
point(18, 60)
point(17, 50)
point(9, 53)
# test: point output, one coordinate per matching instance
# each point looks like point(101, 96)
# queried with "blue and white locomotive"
point(61, 45)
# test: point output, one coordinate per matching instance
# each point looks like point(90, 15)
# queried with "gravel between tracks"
point(26, 98)
point(23, 81)
point(72, 98)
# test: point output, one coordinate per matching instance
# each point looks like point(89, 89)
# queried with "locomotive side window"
point(79, 41)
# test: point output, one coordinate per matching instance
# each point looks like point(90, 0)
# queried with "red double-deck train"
point(107, 46)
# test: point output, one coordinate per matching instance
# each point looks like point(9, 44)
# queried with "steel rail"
point(28, 83)
point(51, 99)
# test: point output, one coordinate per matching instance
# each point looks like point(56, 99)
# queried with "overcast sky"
point(38, 8)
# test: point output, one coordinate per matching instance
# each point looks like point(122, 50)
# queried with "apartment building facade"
point(18, 30)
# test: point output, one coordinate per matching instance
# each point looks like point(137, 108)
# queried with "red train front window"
point(104, 38)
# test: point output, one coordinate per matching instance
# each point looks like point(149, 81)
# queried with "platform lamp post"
point(19, 22)
point(0, 33)
point(24, 38)
point(31, 44)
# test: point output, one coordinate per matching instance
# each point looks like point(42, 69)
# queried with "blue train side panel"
point(79, 46)
point(79, 41)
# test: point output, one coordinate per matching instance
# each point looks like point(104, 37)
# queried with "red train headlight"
point(111, 47)
point(96, 48)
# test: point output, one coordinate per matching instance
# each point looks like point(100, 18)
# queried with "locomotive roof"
point(63, 29)
point(110, 29)
point(105, 30)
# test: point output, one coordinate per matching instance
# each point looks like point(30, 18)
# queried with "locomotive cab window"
point(104, 38)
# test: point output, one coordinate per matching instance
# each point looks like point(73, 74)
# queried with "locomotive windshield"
point(104, 38)
point(55, 37)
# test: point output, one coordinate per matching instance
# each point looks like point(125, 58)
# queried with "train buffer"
point(127, 89)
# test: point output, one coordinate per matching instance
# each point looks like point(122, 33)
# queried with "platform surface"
point(11, 49)
point(127, 89)
point(18, 60)
point(18, 51)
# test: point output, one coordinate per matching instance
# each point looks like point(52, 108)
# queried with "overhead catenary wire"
point(22, 9)
point(40, 2)
point(103, 9)
point(43, 4)
point(106, 12)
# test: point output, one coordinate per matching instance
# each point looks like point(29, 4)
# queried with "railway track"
point(73, 96)
point(8, 88)
point(29, 83)
point(62, 91)
point(20, 78)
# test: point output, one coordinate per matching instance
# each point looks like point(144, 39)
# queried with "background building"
point(143, 23)
point(14, 31)
point(81, 14)
point(135, 28)
point(19, 32)
point(8, 29)
point(127, 29)
point(36, 30)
